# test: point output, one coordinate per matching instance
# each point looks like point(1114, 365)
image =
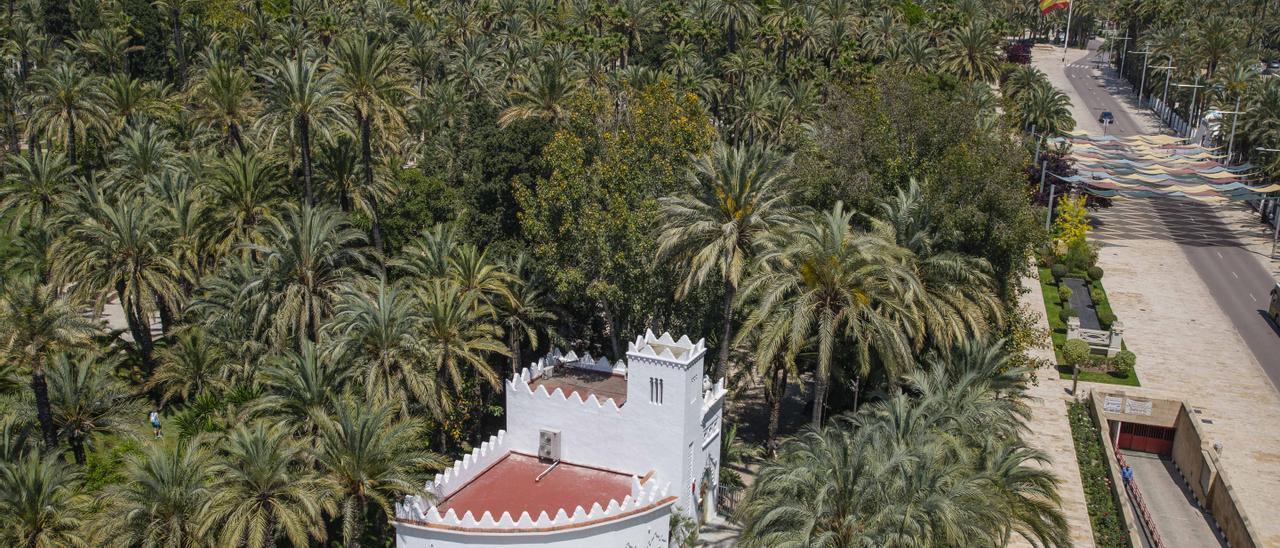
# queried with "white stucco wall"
point(648, 529)
point(669, 438)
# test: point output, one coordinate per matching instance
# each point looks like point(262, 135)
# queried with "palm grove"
point(326, 231)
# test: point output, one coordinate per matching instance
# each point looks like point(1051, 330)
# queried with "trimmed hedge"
point(1099, 495)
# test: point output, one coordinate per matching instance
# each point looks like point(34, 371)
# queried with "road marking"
point(1219, 254)
point(1233, 273)
point(1252, 297)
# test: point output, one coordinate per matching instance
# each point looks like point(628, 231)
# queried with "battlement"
point(470, 466)
point(664, 348)
point(572, 379)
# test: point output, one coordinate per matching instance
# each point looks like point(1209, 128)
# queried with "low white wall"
point(648, 529)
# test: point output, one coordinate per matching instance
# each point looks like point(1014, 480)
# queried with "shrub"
point(1066, 314)
point(1080, 256)
point(1076, 352)
point(1097, 295)
point(1095, 273)
point(1059, 270)
point(1100, 498)
point(1064, 293)
point(1106, 317)
point(1122, 363)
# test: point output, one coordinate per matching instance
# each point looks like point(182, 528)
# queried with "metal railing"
point(1141, 504)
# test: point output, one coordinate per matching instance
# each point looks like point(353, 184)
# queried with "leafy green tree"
point(735, 204)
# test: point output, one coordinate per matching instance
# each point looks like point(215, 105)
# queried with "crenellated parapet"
point(644, 494)
point(664, 348)
point(470, 466)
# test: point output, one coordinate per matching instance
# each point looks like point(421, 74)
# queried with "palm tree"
point(36, 190)
point(734, 15)
point(1046, 108)
point(302, 386)
point(189, 366)
point(369, 457)
point(304, 99)
point(262, 489)
point(162, 500)
point(737, 199)
point(306, 257)
point(63, 96)
point(455, 338)
point(223, 100)
point(37, 322)
point(959, 294)
point(371, 81)
point(829, 285)
point(40, 503)
point(525, 312)
point(246, 188)
point(971, 51)
point(118, 251)
point(373, 330)
point(545, 94)
point(940, 465)
point(86, 400)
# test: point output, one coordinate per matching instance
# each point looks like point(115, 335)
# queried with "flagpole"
point(1067, 39)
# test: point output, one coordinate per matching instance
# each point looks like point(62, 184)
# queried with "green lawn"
point(1052, 306)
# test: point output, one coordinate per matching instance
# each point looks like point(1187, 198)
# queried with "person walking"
point(155, 422)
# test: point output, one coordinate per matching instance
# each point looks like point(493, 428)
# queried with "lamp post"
point(1164, 99)
point(1122, 49)
point(1191, 109)
point(1146, 56)
point(1235, 116)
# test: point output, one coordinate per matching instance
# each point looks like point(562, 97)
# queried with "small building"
point(594, 454)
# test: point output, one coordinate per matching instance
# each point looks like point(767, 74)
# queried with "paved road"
point(1178, 518)
point(1234, 275)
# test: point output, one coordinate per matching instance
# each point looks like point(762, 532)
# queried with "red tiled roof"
point(509, 486)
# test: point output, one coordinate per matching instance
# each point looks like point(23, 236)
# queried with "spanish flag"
point(1047, 6)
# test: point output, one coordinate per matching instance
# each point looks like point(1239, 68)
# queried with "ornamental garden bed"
point(1071, 283)
point(1099, 494)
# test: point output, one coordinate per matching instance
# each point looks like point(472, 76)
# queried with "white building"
point(594, 455)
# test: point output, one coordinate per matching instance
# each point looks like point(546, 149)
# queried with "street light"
point(1168, 71)
point(1190, 109)
point(1235, 115)
point(1122, 48)
point(1146, 56)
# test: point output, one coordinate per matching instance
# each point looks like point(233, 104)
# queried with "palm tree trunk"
point(514, 342)
point(140, 328)
point(778, 395)
point(357, 525)
point(175, 14)
point(304, 143)
point(726, 332)
point(44, 413)
point(366, 157)
point(77, 448)
point(820, 386)
point(233, 131)
point(71, 137)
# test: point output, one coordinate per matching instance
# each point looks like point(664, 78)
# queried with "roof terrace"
point(512, 485)
point(584, 382)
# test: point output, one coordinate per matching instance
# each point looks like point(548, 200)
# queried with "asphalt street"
point(1234, 275)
